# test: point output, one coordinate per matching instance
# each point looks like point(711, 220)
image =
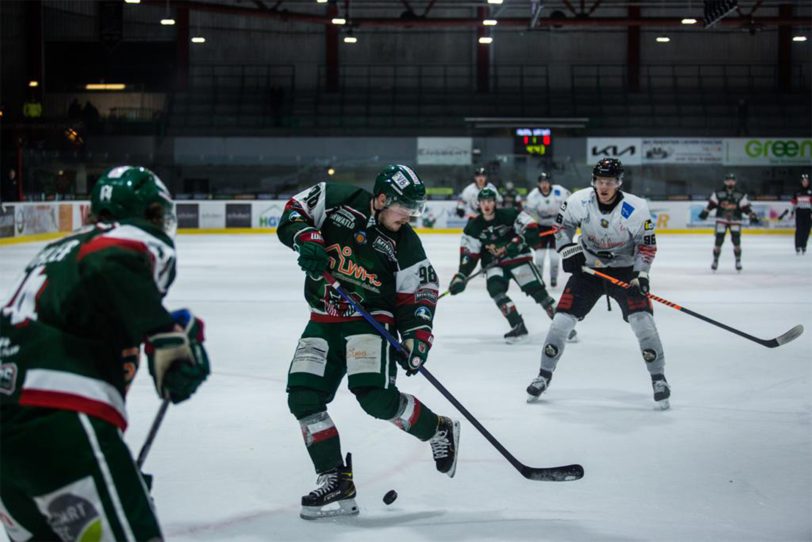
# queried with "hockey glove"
point(458, 283)
point(177, 360)
point(514, 248)
point(572, 258)
point(312, 257)
point(754, 219)
point(461, 212)
point(640, 282)
point(703, 214)
point(418, 344)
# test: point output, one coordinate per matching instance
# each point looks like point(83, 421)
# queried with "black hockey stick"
point(790, 335)
point(156, 424)
point(564, 473)
point(493, 263)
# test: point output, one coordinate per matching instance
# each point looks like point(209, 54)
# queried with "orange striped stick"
point(790, 335)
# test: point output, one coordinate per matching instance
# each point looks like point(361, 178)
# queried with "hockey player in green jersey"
point(69, 348)
point(730, 205)
point(366, 242)
point(502, 238)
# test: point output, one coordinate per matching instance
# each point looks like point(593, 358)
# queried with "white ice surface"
point(731, 460)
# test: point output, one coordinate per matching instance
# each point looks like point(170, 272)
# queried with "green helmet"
point(132, 192)
point(403, 187)
point(486, 193)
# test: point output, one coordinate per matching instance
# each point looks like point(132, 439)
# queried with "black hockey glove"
point(458, 283)
point(418, 343)
point(640, 282)
point(177, 360)
point(754, 218)
point(460, 212)
point(703, 214)
point(572, 258)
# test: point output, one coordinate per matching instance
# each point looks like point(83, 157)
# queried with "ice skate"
point(549, 306)
point(572, 337)
point(715, 264)
point(444, 445)
point(553, 282)
point(662, 391)
point(335, 495)
point(517, 334)
point(738, 265)
point(538, 385)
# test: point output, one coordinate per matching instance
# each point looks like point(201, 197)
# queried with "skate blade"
point(663, 404)
point(532, 398)
point(346, 507)
point(516, 340)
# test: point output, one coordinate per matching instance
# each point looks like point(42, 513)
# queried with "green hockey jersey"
point(80, 303)
point(387, 272)
point(481, 237)
point(730, 205)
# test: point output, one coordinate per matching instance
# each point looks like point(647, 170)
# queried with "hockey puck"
point(390, 496)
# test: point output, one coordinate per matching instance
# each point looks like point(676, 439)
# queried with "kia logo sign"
point(613, 151)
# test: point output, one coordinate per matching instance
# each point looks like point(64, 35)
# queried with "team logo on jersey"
point(604, 223)
point(385, 247)
point(361, 237)
point(626, 210)
point(8, 378)
point(648, 225)
point(335, 305)
point(343, 218)
point(423, 313)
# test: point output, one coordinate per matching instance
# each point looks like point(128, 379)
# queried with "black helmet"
point(731, 176)
point(544, 176)
point(480, 171)
point(608, 167)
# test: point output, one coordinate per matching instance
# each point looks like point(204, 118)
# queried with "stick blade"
point(790, 335)
point(566, 473)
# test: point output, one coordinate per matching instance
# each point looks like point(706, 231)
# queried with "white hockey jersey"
point(468, 199)
point(623, 237)
point(546, 208)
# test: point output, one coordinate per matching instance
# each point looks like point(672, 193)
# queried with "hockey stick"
point(493, 263)
point(564, 473)
point(156, 424)
point(790, 335)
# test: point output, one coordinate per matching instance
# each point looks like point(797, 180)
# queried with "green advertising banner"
point(772, 151)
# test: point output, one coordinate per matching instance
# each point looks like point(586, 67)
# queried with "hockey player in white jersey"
point(617, 237)
point(468, 204)
point(544, 202)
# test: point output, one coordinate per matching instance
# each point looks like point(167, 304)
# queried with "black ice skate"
point(662, 391)
point(517, 334)
point(738, 265)
point(572, 337)
point(553, 282)
point(715, 264)
point(335, 488)
point(538, 385)
point(444, 445)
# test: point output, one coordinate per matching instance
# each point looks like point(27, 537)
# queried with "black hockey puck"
point(390, 496)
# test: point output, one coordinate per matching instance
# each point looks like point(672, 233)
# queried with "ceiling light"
point(321, 1)
point(105, 86)
point(494, 1)
point(167, 22)
point(339, 20)
point(485, 40)
point(132, 1)
point(689, 20)
point(198, 39)
point(663, 39)
point(489, 22)
point(33, 84)
point(350, 39)
point(798, 38)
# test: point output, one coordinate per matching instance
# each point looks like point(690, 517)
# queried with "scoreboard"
point(532, 141)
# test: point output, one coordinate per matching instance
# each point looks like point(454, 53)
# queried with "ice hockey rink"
point(731, 460)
